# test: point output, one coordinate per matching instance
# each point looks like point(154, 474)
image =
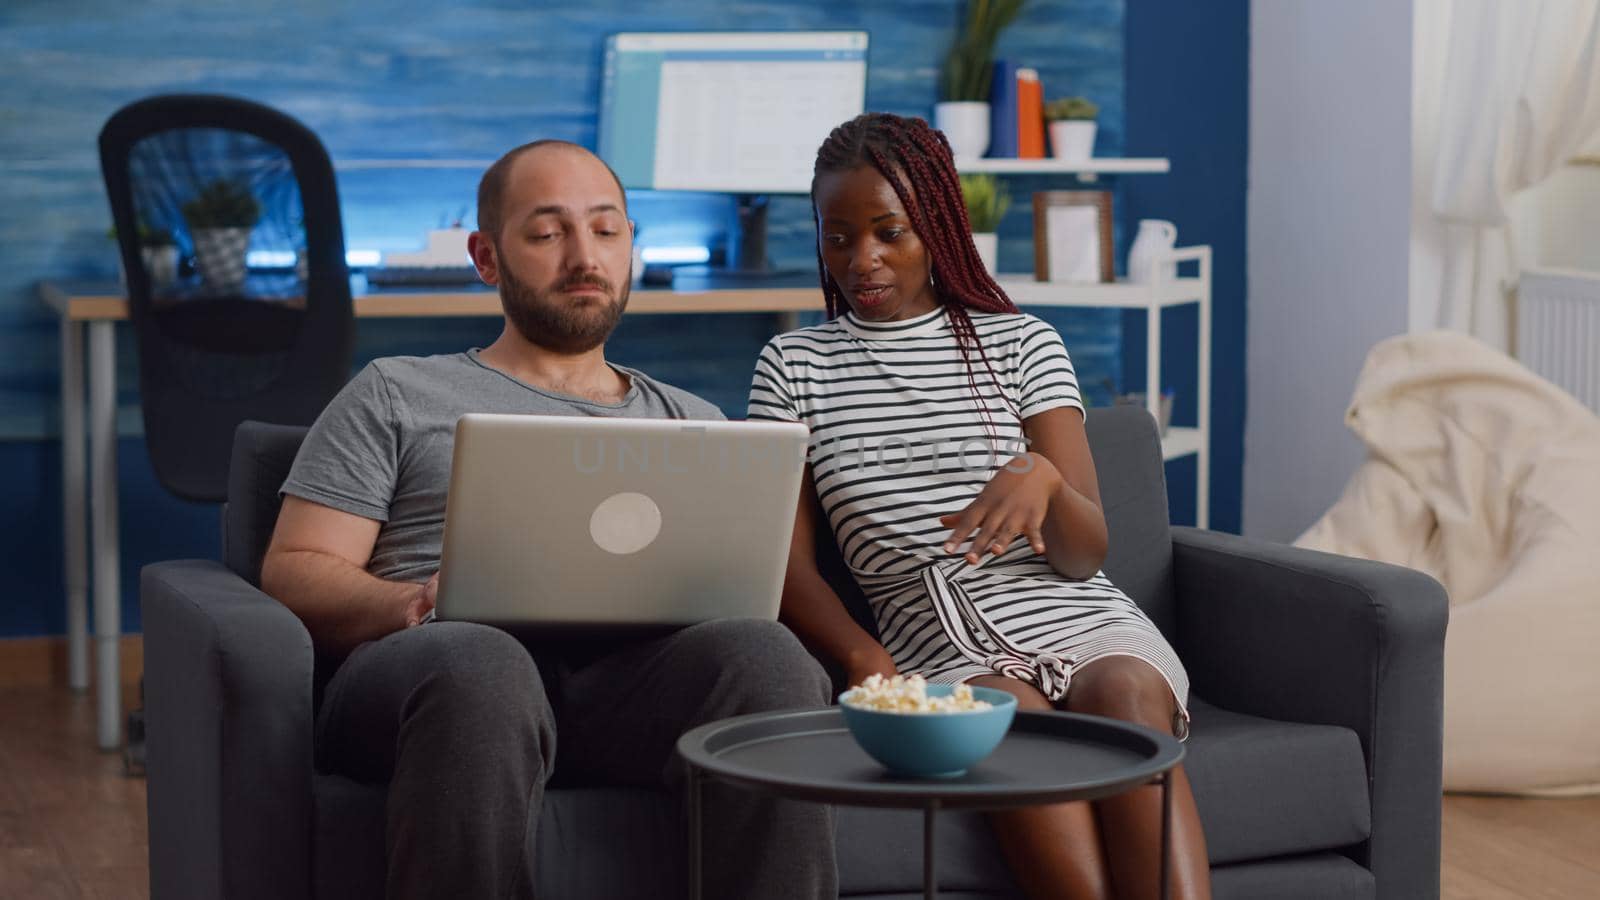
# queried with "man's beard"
point(551, 321)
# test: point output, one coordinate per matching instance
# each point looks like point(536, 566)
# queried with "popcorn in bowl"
point(924, 730)
point(909, 695)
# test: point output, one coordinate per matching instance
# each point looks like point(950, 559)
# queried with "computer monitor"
point(730, 112)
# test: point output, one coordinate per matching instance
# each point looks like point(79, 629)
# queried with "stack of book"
point(1016, 112)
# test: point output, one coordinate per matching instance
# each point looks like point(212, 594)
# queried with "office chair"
point(220, 342)
point(222, 177)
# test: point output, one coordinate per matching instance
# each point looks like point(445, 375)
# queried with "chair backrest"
point(219, 344)
point(1133, 492)
point(1123, 441)
point(262, 456)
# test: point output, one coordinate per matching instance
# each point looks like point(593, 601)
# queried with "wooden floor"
point(72, 825)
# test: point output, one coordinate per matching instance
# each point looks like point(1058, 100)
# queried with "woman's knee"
point(1029, 699)
point(1122, 687)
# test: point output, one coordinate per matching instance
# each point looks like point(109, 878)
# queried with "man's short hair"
point(492, 187)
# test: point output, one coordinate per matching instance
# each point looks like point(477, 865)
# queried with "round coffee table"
point(1046, 758)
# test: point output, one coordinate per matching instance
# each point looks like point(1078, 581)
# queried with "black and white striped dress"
point(898, 439)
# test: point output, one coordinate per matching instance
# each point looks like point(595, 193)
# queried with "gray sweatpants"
point(458, 721)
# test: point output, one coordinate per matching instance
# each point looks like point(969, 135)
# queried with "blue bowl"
point(932, 745)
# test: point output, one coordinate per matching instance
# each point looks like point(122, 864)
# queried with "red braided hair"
point(894, 145)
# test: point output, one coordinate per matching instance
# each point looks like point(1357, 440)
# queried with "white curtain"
point(1520, 96)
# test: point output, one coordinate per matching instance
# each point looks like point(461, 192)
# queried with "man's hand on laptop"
point(417, 611)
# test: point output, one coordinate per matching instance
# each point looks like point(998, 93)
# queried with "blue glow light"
point(680, 254)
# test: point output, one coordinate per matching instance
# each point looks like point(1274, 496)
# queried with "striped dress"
point(898, 439)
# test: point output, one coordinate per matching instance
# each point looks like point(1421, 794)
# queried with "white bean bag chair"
point(1487, 477)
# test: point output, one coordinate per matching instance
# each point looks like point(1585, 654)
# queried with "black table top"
point(1045, 758)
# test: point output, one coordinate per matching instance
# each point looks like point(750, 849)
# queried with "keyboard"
point(453, 276)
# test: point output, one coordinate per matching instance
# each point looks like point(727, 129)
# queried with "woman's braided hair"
point(907, 153)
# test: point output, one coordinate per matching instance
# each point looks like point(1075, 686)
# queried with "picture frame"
point(1072, 236)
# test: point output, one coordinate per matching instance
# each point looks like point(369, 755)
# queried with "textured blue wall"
point(1188, 99)
point(419, 82)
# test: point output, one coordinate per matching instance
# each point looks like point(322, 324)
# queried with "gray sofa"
point(1315, 753)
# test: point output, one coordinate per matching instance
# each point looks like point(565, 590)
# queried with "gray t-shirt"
point(382, 448)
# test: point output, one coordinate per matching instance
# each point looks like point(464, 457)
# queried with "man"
point(457, 718)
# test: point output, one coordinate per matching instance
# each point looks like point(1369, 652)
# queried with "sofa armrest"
point(1297, 635)
point(228, 736)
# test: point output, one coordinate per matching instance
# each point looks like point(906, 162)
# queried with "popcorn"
point(909, 695)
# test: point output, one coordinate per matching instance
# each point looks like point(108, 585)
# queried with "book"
point(1003, 110)
point(1030, 115)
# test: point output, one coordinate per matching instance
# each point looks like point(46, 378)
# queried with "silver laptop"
point(571, 522)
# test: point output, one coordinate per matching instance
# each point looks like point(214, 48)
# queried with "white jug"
point(1156, 238)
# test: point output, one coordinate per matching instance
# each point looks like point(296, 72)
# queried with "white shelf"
point(1023, 290)
point(1180, 442)
point(1152, 298)
point(1108, 166)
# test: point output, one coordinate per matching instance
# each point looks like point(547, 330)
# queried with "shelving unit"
point(1152, 297)
point(1050, 166)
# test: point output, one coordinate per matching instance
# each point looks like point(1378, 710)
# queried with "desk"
point(100, 306)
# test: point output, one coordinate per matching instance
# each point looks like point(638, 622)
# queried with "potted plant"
point(963, 111)
point(158, 251)
point(986, 201)
point(1072, 127)
point(220, 218)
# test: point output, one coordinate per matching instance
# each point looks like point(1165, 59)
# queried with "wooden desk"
point(98, 307)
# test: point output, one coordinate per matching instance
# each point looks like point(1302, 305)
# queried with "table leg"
point(1166, 835)
point(930, 875)
point(103, 523)
point(694, 801)
point(73, 494)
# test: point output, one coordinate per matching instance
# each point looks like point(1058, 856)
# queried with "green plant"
point(986, 202)
point(969, 67)
point(223, 203)
point(1064, 108)
point(149, 236)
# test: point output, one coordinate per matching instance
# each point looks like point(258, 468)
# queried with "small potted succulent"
point(1072, 127)
point(986, 201)
point(963, 111)
point(221, 217)
point(158, 251)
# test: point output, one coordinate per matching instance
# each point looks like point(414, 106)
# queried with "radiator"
point(1558, 329)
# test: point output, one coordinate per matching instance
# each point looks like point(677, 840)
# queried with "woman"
point(949, 457)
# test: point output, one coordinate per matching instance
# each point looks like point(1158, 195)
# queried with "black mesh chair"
point(254, 319)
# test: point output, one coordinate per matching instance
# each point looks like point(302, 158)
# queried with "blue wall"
point(465, 82)
point(1188, 100)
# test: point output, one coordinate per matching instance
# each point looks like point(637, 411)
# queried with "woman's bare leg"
point(1127, 688)
point(1054, 851)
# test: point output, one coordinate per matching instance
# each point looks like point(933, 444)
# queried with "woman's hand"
point(869, 661)
point(1013, 503)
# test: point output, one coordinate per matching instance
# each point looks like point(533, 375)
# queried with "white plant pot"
point(161, 263)
point(965, 125)
point(1072, 139)
point(988, 245)
point(219, 255)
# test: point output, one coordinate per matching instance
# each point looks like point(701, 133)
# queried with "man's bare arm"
point(317, 566)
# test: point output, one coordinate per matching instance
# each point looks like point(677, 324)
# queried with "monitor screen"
point(735, 112)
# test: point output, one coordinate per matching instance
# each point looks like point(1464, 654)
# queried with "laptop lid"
point(578, 522)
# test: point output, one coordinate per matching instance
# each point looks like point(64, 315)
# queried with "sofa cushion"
point(1266, 788)
point(1317, 876)
point(623, 843)
point(619, 843)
